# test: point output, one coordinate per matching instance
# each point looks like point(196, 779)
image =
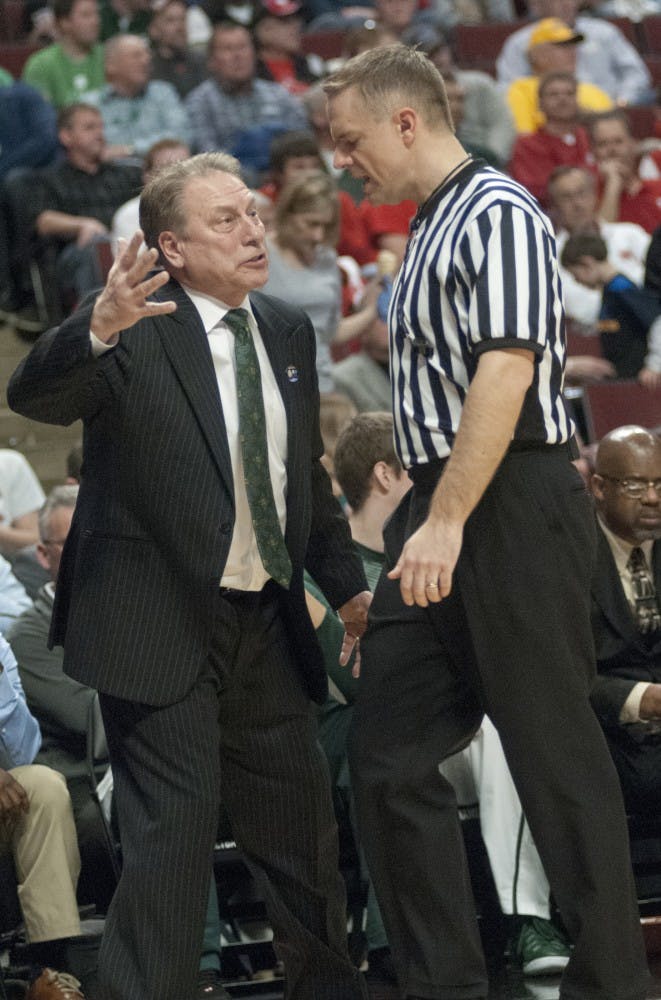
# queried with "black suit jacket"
point(623, 657)
point(139, 579)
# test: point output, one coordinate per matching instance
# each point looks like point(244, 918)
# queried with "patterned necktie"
point(254, 449)
point(646, 607)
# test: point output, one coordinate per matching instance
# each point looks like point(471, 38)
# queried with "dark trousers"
point(639, 768)
point(512, 640)
point(245, 733)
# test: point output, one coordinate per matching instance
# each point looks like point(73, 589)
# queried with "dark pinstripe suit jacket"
point(140, 572)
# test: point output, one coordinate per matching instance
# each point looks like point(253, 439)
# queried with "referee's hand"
point(427, 562)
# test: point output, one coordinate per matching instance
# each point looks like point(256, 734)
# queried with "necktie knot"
point(237, 321)
point(637, 562)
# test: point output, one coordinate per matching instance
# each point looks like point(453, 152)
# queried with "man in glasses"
point(626, 611)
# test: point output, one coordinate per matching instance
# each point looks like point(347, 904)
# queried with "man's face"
point(370, 149)
point(280, 33)
point(49, 549)
point(168, 27)
point(611, 141)
point(84, 137)
point(565, 10)
point(396, 14)
point(633, 519)
point(221, 251)
point(549, 57)
point(232, 57)
point(575, 198)
point(83, 24)
point(298, 166)
point(558, 101)
point(130, 65)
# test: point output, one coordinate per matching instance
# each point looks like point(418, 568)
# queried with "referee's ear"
point(407, 123)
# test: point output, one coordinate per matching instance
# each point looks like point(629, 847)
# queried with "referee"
point(485, 607)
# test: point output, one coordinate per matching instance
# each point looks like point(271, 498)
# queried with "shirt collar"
point(212, 311)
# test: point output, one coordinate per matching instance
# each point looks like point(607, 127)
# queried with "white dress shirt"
point(244, 569)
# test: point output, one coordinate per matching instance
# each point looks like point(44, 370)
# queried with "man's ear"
point(597, 486)
point(406, 121)
point(169, 246)
point(42, 556)
point(382, 474)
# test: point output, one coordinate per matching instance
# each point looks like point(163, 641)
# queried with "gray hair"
point(60, 496)
point(162, 197)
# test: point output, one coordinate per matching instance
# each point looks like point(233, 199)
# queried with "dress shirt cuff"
point(630, 711)
point(100, 347)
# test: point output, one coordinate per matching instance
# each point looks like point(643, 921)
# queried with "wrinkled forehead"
point(632, 461)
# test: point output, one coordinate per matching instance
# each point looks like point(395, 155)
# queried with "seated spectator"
point(172, 59)
point(364, 376)
point(388, 226)
point(234, 100)
point(21, 497)
point(630, 335)
point(626, 694)
point(126, 219)
point(62, 706)
point(369, 35)
point(278, 34)
point(37, 828)
point(551, 48)
point(28, 132)
point(573, 198)
point(28, 139)
point(624, 196)
point(316, 109)
point(297, 153)
point(76, 200)
point(487, 120)
point(373, 482)
point(457, 101)
point(136, 111)
point(560, 142)
point(653, 263)
point(13, 598)
point(606, 59)
point(304, 270)
point(69, 69)
point(121, 17)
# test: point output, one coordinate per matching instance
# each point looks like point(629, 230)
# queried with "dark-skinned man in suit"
point(177, 599)
point(626, 616)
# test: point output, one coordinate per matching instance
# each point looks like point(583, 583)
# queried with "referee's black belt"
point(428, 474)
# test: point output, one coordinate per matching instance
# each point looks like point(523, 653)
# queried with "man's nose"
point(341, 160)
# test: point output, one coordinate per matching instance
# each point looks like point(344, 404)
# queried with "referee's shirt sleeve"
point(510, 269)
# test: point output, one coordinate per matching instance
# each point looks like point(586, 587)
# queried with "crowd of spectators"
point(124, 87)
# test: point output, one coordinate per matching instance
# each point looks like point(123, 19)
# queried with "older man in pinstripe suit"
point(167, 602)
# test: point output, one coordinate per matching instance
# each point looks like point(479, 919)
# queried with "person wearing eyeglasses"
point(626, 612)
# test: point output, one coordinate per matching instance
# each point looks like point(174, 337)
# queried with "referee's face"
point(370, 150)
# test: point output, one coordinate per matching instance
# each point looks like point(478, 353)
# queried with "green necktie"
point(254, 449)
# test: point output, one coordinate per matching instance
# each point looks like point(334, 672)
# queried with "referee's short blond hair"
point(395, 76)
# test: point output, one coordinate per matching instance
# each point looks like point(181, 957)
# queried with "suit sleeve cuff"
point(630, 711)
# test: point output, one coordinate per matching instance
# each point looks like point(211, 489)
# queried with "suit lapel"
point(186, 344)
point(609, 594)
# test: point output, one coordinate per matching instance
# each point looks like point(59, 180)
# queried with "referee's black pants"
point(513, 640)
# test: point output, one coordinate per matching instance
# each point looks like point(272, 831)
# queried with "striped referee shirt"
point(480, 272)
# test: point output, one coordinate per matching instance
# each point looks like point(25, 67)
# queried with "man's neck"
point(367, 523)
point(84, 163)
point(74, 50)
point(437, 167)
point(560, 128)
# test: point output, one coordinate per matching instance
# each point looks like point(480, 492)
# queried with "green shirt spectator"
point(61, 79)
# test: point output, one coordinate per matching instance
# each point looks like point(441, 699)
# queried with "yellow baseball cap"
point(552, 29)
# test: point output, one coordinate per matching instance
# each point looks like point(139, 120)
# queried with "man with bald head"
point(626, 612)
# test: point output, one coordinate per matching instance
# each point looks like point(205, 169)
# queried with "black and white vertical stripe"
point(480, 272)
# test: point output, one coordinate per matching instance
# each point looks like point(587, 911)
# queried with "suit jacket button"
point(226, 527)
